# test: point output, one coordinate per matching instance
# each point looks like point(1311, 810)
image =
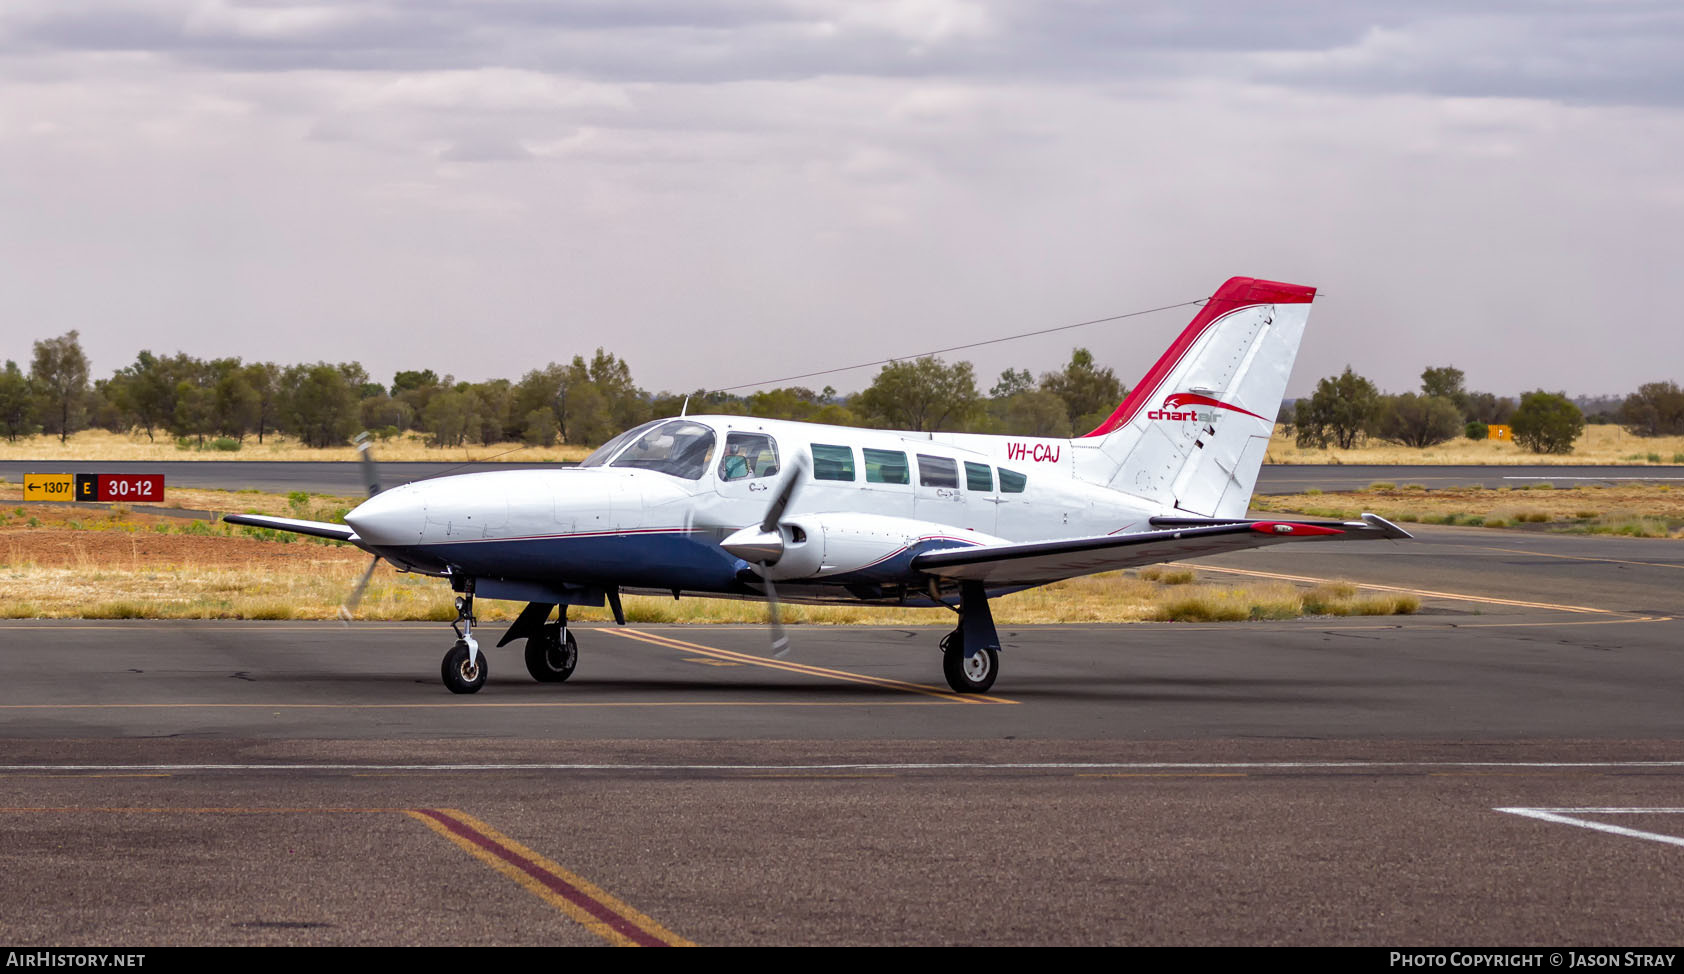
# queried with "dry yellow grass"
point(1647, 510)
point(102, 445)
point(1598, 445)
point(313, 585)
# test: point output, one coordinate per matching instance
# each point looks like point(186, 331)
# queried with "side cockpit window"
point(748, 456)
point(677, 447)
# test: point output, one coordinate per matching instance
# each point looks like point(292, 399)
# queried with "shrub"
point(1547, 422)
point(1340, 411)
point(224, 444)
point(1418, 421)
point(1477, 431)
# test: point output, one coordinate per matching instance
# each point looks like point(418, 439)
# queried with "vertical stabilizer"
point(1192, 434)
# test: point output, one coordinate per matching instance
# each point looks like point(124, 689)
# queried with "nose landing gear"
point(464, 668)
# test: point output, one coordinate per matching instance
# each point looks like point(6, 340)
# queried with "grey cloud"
point(1624, 52)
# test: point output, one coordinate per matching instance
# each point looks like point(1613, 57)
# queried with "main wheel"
point(461, 676)
point(973, 675)
point(550, 658)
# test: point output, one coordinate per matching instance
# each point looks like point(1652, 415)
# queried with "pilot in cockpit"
point(734, 465)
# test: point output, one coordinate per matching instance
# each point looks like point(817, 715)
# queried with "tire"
point(458, 676)
point(974, 675)
point(549, 658)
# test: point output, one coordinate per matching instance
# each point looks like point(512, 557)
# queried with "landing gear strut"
point(552, 653)
point(464, 667)
point(970, 654)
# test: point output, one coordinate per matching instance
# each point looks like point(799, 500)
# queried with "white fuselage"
point(649, 510)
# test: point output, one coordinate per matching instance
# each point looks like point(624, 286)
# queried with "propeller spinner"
point(763, 545)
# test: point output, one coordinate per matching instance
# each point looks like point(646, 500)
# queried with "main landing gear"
point(552, 653)
point(970, 654)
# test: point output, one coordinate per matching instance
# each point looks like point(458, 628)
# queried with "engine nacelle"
point(820, 545)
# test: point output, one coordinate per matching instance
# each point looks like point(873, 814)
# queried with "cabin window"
point(748, 456)
point(979, 476)
point(886, 467)
point(833, 462)
point(678, 447)
point(1012, 483)
point(937, 472)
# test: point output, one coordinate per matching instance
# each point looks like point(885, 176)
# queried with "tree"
point(1030, 412)
point(1342, 409)
point(265, 380)
point(236, 406)
point(598, 399)
point(319, 404)
point(1547, 422)
point(16, 400)
point(452, 415)
point(1011, 383)
point(1445, 382)
point(147, 390)
point(1655, 409)
point(1487, 408)
point(1090, 394)
point(1418, 421)
point(59, 377)
point(920, 394)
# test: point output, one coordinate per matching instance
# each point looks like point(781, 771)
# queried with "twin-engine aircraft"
point(739, 507)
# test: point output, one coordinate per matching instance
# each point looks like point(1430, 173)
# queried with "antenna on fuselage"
point(684, 410)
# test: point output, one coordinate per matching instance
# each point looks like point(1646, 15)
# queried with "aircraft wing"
point(319, 529)
point(1039, 562)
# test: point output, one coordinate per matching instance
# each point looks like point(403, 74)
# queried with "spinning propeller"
point(763, 545)
point(371, 477)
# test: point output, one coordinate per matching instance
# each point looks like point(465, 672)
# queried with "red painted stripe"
point(1236, 293)
point(551, 881)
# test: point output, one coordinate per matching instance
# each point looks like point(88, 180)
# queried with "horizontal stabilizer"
point(317, 529)
point(1040, 562)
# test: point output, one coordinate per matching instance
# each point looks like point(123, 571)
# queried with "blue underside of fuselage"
point(691, 561)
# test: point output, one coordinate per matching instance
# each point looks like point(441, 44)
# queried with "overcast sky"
point(735, 191)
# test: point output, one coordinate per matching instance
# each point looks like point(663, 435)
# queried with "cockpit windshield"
point(602, 454)
point(678, 447)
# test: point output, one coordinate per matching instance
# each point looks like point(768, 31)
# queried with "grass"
point(1598, 445)
point(130, 562)
point(1648, 511)
point(311, 586)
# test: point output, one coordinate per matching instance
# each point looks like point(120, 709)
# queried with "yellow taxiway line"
point(778, 664)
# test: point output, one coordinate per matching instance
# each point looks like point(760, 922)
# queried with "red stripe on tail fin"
point(1236, 293)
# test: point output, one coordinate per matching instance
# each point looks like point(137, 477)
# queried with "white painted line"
point(1559, 816)
point(865, 766)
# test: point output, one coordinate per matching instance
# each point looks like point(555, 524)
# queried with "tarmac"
point(1500, 770)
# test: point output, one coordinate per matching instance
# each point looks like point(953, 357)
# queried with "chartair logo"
point(1173, 403)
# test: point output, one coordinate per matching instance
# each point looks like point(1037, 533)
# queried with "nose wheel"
point(464, 667)
point(462, 670)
